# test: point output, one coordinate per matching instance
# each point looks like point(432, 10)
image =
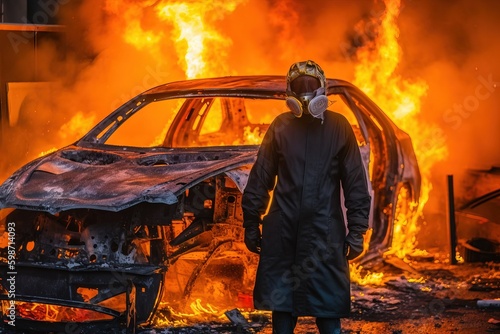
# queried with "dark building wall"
point(20, 60)
point(13, 11)
point(43, 11)
point(24, 26)
point(17, 63)
point(30, 11)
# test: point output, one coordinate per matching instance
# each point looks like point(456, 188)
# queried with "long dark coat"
point(303, 268)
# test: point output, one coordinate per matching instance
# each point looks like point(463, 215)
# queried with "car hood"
point(114, 180)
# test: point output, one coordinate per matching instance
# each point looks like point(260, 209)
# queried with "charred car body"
point(100, 224)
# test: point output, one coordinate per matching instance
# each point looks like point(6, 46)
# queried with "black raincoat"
point(303, 267)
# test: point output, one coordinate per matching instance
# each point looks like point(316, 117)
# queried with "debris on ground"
point(416, 296)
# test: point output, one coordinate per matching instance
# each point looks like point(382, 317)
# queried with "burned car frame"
point(99, 223)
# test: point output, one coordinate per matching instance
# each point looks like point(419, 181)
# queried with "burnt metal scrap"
point(96, 179)
point(99, 226)
point(86, 262)
point(90, 262)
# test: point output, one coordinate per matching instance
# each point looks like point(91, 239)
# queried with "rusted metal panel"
point(97, 179)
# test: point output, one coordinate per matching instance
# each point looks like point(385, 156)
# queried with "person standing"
point(307, 158)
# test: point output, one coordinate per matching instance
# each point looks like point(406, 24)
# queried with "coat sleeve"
point(261, 180)
point(355, 186)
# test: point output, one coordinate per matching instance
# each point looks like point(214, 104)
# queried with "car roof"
point(274, 85)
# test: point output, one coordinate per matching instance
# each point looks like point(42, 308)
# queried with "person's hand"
point(252, 238)
point(353, 246)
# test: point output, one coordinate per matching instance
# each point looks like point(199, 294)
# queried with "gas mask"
point(306, 84)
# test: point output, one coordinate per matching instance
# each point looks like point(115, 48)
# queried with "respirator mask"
point(306, 89)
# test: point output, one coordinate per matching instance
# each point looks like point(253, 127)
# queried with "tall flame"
point(200, 47)
point(133, 31)
point(196, 40)
point(376, 75)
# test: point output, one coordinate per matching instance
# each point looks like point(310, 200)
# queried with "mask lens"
point(304, 84)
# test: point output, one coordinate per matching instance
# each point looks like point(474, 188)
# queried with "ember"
point(57, 313)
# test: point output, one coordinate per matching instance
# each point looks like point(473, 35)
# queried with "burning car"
point(148, 203)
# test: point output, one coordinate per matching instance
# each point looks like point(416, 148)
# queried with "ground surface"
point(422, 296)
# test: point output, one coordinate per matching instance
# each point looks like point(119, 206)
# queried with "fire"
point(190, 25)
point(77, 126)
point(376, 75)
point(135, 35)
point(362, 277)
point(198, 43)
point(135, 30)
point(41, 154)
point(253, 137)
point(197, 312)
point(196, 40)
point(57, 313)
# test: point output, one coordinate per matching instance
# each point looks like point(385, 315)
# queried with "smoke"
point(451, 45)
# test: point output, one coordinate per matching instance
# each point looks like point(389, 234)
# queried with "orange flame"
point(56, 313)
point(252, 136)
point(200, 47)
point(134, 33)
point(77, 126)
point(196, 40)
point(376, 75)
point(197, 312)
point(50, 150)
point(359, 276)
